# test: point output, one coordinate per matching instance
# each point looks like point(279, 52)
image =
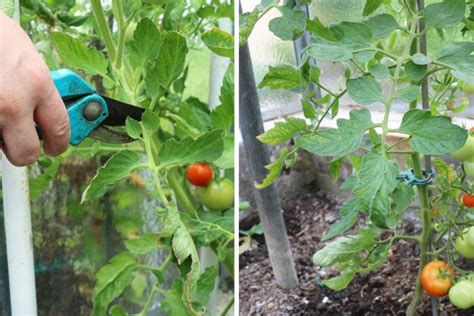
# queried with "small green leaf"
point(338, 142)
point(363, 57)
point(77, 55)
point(146, 43)
point(151, 121)
point(349, 215)
point(116, 169)
point(382, 25)
point(318, 29)
point(281, 77)
point(327, 51)
point(448, 13)
point(410, 93)
point(219, 42)
point(275, 170)
point(415, 72)
point(340, 282)
point(226, 161)
point(459, 57)
point(290, 26)
point(379, 71)
point(309, 109)
point(118, 310)
point(432, 135)
point(205, 148)
point(133, 128)
point(112, 279)
point(421, 59)
point(182, 244)
point(142, 245)
point(282, 131)
point(364, 90)
point(206, 284)
point(371, 6)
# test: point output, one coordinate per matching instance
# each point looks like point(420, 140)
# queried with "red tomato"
point(434, 278)
point(199, 174)
point(468, 200)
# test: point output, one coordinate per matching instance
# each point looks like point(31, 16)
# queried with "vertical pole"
point(218, 69)
point(268, 203)
point(19, 239)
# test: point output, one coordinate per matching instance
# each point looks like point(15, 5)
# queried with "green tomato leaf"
point(206, 148)
point(116, 169)
point(340, 282)
point(410, 93)
point(349, 215)
point(282, 131)
point(421, 59)
point(281, 77)
point(112, 279)
point(338, 142)
point(432, 135)
point(172, 304)
point(223, 115)
point(445, 14)
point(379, 71)
point(328, 51)
point(247, 23)
point(117, 310)
point(133, 128)
point(146, 43)
point(415, 72)
point(290, 26)
point(75, 54)
point(371, 6)
point(364, 90)
point(173, 14)
point(206, 284)
point(377, 179)
point(318, 29)
point(169, 65)
point(459, 57)
point(382, 25)
point(183, 245)
point(275, 169)
point(219, 42)
point(143, 245)
point(226, 161)
point(150, 120)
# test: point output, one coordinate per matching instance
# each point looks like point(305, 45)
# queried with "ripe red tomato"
point(468, 200)
point(199, 174)
point(434, 278)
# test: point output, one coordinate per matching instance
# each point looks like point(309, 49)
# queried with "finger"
point(52, 117)
point(20, 142)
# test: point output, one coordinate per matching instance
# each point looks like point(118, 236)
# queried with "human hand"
point(28, 96)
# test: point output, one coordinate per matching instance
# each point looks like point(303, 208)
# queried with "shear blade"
point(110, 135)
point(118, 112)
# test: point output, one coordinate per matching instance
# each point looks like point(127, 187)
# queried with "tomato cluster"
point(215, 194)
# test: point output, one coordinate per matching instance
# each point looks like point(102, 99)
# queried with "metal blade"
point(118, 112)
point(110, 135)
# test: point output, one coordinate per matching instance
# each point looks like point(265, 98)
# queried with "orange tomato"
point(434, 278)
point(468, 200)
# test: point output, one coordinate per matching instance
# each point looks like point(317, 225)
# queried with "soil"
point(386, 291)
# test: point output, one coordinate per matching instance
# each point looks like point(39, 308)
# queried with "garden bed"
point(308, 215)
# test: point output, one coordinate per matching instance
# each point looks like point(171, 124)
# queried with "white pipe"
point(219, 67)
point(19, 237)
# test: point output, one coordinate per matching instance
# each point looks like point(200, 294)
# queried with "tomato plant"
point(384, 60)
point(199, 174)
point(141, 52)
point(435, 278)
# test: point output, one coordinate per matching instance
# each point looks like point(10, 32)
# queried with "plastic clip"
point(410, 178)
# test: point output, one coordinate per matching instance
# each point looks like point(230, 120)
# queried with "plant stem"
point(181, 190)
point(122, 26)
point(227, 307)
point(329, 109)
point(104, 28)
point(149, 301)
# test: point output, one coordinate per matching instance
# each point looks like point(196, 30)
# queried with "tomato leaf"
point(112, 279)
point(410, 93)
point(421, 59)
point(275, 170)
point(382, 25)
point(340, 282)
point(116, 169)
point(459, 57)
point(432, 135)
point(281, 77)
point(226, 161)
point(338, 142)
point(173, 304)
point(379, 71)
point(371, 6)
point(77, 55)
point(282, 131)
point(318, 29)
point(223, 115)
point(290, 25)
point(364, 90)
point(146, 43)
point(169, 65)
point(415, 72)
point(349, 215)
point(445, 14)
point(219, 42)
point(150, 120)
point(142, 245)
point(133, 128)
point(206, 148)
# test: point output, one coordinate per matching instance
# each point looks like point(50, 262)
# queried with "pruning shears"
point(91, 114)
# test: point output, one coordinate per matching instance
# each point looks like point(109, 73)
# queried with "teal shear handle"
point(87, 110)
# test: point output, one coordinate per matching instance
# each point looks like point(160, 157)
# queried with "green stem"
point(149, 301)
point(181, 191)
point(117, 7)
point(227, 307)
point(104, 28)
point(329, 109)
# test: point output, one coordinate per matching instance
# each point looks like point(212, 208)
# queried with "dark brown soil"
point(386, 291)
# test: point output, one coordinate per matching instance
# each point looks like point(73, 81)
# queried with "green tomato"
point(469, 168)
point(466, 153)
point(469, 236)
point(463, 247)
point(218, 195)
point(461, 294)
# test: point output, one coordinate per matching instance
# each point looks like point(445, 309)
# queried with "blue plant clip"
point(410, 178)
point(87, 109)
